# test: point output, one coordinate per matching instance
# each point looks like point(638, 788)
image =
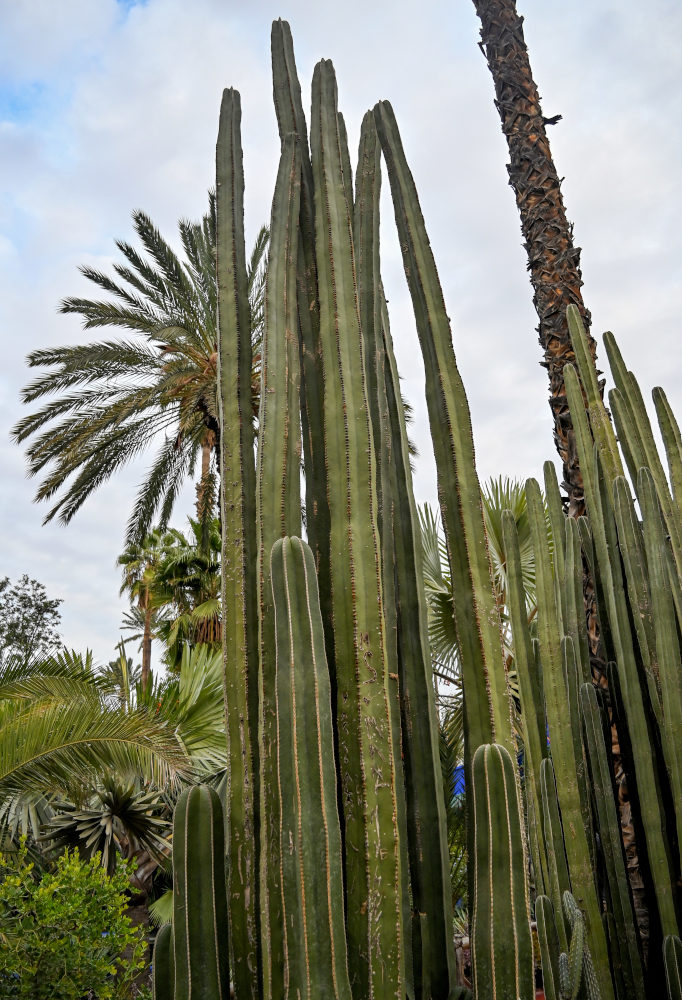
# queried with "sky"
point(107, 106)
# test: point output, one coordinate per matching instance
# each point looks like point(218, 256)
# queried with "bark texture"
point(554, 267)
point(553, 259)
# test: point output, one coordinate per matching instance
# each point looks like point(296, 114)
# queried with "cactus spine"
point(501, 947)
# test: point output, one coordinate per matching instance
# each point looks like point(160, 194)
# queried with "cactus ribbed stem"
point(549, 947)
point(603, 530)
point(238, 518)
point(672, 441)
point(476, 612)
point(502, 954)
point(291, 118)
point(640, 426)
point(374, 915)
point(608, 823)
point(200, 941)
point(278, 506)
point(557, 866)
point(667, 642)
point(672, 960)
point(312, 882)
point(370, 301)
point(163, 967)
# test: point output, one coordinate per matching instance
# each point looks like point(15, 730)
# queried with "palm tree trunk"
point(147, 643)
point(204, 492)
point(553, 260)
point(554, 267)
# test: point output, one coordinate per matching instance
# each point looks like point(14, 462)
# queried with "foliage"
point(113, 399)
point(66, 935)
point(176, 581)
point(29, 619)
point(58, 729)
point(118, 818)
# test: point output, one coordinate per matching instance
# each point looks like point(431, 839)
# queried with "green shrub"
point(65, 935)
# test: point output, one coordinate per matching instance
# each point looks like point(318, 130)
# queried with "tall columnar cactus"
point(366, 760)
point(476, 612)
point(291, 118)
point(558, 665)
point(548, 940)
point(593, 443)
point(601, 781)
point(239, 561)
point(278, 511)
point(502, 952)
point(315, 963)
point(191, 961)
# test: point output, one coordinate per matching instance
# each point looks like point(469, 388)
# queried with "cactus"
point(616, 613)
point(549, 947)
point(368, 794)
point(238, 519)
point(576, 968)
point(612, 849)
point(200, 922)
point(315, 961)
point(672, 960)
point(163, 968)
point(476, 611)
point(278, 510)
point(502, 953)
point(290, 118)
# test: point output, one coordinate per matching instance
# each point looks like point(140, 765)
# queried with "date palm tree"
point(553, 258)
point(108, 401)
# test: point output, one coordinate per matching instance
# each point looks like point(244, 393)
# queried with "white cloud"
point(111, 108)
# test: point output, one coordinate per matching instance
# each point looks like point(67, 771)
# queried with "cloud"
point(106, 107)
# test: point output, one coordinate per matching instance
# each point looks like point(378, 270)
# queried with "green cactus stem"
point(368, 796)
point(291, 118)
point(610, 579)
point(312, 880)
point(502, 953)
point(477, 620)
point(672, 960)
point(601, 781)
point(672, 441)
point(239, 560)
point(200, 921)
point(163, 967)
point(549, 947)
point(278, 506)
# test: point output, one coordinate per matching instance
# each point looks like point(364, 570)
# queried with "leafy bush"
point(65, 935)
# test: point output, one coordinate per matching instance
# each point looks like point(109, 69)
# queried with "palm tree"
point(188, 584)
point(553, 258)
point(59, 729)
point(141, 564)
point(497, 495)
point(110, 400)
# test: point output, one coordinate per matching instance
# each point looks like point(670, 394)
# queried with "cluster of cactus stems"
point(336, 853)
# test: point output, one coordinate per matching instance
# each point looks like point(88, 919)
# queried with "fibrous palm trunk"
point(554, 267)
point(146, 641)
point(553, 259)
